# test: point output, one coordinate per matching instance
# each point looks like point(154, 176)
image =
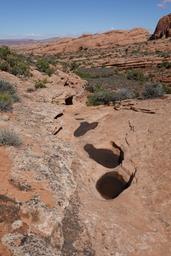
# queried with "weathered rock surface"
point(103, 40)
point(163, 28)
point(51, 204)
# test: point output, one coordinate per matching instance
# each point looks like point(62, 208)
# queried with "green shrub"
point(44, 66)
point(8, 88)
point(39, 84)
point(99, 98)
point(9, 137)
point(5, 86)
point(153, 91)
point(135, 52)
point(163, 54)
point(8, 96)
point(4, 66)
point(5, 101)
point(104, 97)
point(136, 75)
point(83, 74)
point(13, 63)
point(165, 64)
point(93, 88)
point(123, 94)
point(20, 69)
point(73, 66)
point(4, 52)
point(167, 89)
point(52, 59)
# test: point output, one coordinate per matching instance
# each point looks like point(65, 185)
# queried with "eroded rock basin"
point(103, 156)
point(112, 184)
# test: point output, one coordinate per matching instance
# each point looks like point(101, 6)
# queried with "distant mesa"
point(163, 29)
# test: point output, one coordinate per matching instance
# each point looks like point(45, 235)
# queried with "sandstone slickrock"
point(103, 40)
point(61, 211)
point(163, 28)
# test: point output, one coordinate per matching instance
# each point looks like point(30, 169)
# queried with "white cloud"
point(163, 4)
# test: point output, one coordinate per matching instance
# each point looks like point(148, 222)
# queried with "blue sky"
point(48, 18)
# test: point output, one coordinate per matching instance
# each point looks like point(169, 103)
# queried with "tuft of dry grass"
point(9, 137)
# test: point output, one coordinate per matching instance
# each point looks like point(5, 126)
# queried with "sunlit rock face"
point(163, 29)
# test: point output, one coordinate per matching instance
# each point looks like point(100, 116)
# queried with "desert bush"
point(94, 73)
point(5, 102)
point(83, 74)
point(19, 66)
point(104, 97)
point(4, 66)
point(165, 64)
point(123, 94)
point(20, 69)
point(9, 137)
point(163, 54)
point(39, 84)
point(93, 88)
point(73, 66)
point(99, 98)
point(135, 52)
point(153, 91)
point(44, 66)
point(13, 63)
point(4, 52)
point(7, 87)
point(8, 96)
point(167, 89)
point(136, 75)
point(51, 59)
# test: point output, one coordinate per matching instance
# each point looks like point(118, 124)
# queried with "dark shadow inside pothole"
point(103, 156)
point(84, 128)
point(112, 184)
point(69, 101)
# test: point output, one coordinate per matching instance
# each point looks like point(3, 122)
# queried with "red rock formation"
point(103, 40)
point(163, 28)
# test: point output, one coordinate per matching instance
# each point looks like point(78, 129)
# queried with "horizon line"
point(34, 37)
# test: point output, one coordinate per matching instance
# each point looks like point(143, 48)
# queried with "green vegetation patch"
point(153, 91)
point(165, 65)
point(43, 65)
point(104, 97)
point(40, 84)
point(14, 63)
point(136, 75)
point(8, 96)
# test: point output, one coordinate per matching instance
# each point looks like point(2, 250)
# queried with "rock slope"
point(101, 40)
point(57, 195)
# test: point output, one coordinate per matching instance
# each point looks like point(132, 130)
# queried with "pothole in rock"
point(112, 184)
point(84, 128)
point(105, 157)
point(69, 101)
